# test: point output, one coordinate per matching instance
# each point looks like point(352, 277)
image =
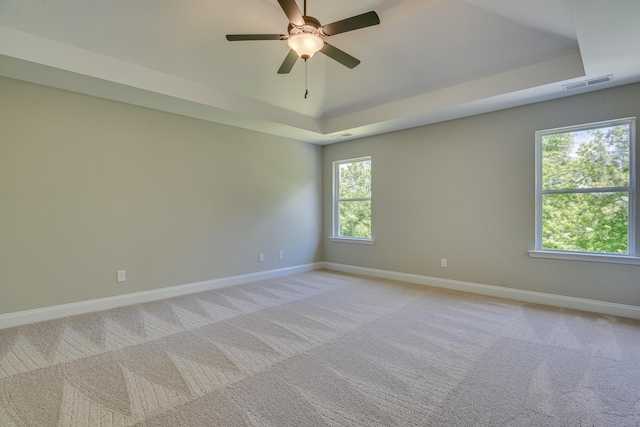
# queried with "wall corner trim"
point(19, 318)
point(593, 306)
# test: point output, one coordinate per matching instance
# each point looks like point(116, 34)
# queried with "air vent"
point(342, 135)
point(599, 80)
point(576, 85)
point(590, 82)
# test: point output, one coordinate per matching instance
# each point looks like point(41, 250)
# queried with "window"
point(352, 200)
point(585, 190)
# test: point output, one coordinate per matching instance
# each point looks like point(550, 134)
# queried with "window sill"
point(352, 240)
point(579, 256)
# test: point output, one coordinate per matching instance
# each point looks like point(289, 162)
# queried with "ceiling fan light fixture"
point(305, 44)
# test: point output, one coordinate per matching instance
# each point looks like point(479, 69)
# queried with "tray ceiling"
point(428, 60)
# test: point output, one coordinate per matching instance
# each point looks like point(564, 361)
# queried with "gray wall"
point(90, 186)
point(464, 190)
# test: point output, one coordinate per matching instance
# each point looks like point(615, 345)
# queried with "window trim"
point(360, 240)
point(584, 256)
point(633, 255)
point(335, 227)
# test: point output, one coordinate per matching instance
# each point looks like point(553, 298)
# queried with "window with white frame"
point(352, 199)
point(586, 189)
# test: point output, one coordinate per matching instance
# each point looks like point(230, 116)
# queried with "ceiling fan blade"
point(243, 37)
point(289, 62)
point(354, 23)
point(292, 11)
point(340, 56)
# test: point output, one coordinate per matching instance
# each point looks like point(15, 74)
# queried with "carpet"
point(323, 349)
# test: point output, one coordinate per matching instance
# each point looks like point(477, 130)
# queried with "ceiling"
point(427, 61)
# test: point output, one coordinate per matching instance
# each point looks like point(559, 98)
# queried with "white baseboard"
point(593, 306)
point(59, 311)
point(64, 310)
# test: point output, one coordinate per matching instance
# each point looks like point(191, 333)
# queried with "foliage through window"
point(352, 198)
point(585, 188)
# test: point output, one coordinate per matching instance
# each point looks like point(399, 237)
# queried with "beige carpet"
point(323, 349)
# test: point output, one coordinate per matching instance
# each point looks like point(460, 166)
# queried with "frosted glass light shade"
point(305, 44)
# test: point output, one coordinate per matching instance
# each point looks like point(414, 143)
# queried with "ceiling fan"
point(305, 35)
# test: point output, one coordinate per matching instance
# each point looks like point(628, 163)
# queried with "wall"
point(90, 186)
point(464, 190)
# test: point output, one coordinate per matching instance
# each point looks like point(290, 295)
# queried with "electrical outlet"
point(280, 255)
point(260, 257)
point(122, 275)
point(443, 262)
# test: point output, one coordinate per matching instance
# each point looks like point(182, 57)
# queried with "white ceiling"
point(427, 61)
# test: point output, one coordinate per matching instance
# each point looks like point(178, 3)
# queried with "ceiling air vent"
point(599, 80)
point(342, 135)
point(590, 82)
point(576, 85)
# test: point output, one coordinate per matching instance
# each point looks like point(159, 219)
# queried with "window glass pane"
point(355, 180)
point(355, 219)
point(586, 222)
point(595, 158)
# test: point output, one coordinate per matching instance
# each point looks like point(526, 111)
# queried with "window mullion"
point(362, 199)
point(589, 190)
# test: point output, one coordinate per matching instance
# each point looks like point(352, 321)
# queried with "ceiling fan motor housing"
point(311, 26)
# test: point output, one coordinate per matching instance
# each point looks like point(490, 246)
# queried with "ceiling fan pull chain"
point(306, 80)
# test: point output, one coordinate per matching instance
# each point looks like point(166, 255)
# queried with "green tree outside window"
point(353, 188)
point(584, 190)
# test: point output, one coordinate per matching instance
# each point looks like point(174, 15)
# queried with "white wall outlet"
point(443, 262)
point(122, 275)
point(281, 255)
point(260, 257)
